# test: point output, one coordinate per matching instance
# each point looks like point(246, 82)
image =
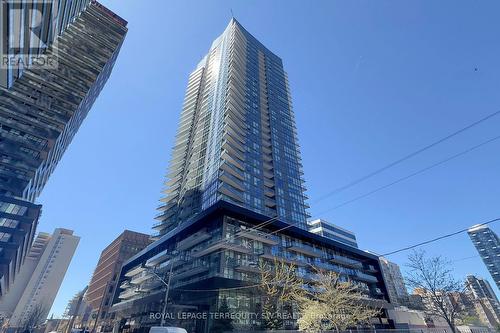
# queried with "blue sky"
point(371, 81)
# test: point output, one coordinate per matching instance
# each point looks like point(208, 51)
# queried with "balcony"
point(370, 269)
point(125, 284)
point(309, 277)
point(365, 277)
point(189, 272)
point(218, 245)
point(134, 271)
point(344, 261)
point(157, 259)
point(305, 249)
point(282, 258)
point(162, 268)
point(148, 286)
point(192, 240)
point(246, 268)
point(258, 236)
point(127, 294)
point(141, 277)
point(231, 192)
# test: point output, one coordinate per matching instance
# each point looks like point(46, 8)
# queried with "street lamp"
point(166, 283)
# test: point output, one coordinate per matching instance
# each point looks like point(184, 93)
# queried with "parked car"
point(164, 329)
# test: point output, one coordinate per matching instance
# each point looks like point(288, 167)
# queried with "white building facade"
point(42, 276)
point(332, 231)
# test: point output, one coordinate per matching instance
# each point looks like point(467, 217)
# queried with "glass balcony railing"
point(366, 277)
point(305, 249)
point(346, 261)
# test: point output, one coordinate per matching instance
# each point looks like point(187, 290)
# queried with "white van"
point(163, 329)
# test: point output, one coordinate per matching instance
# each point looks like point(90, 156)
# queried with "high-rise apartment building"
point(18, 221)
point(479, 288)
point(484, 299)
point(29, 28)
point(9, 302)
point(235, 200)
point(332, 231)
point(394, 281)
point(487, 244)
point(52, 255)
point(237, 139)
point(41, 108)
point(105, 278)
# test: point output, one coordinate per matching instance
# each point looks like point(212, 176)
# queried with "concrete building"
point(487, 244)
point(44, 272)
point(41, 108)
point(332, 231)
point(236, 139)
point(104, 281)
point(394, 281)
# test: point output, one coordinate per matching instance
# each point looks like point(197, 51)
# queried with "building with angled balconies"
point(236, 139)
point(222, 249)
point(330, 230)
point(42, 108)
point(234, 200)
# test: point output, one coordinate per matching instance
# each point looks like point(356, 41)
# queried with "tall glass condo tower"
point(237, 138)
point(488, 245)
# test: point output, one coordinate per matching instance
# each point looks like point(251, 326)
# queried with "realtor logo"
point(28, 30)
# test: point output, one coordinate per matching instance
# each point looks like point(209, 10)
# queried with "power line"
point(378, 171)
point(437, 238)
point(382, 255)
point(466, 258)
point(412, 175)
point(399, 180)
point(263, 224)
point(406, 157)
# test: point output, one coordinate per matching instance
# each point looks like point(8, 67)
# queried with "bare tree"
point(280, 280)
point(34, 317)
point(432, 279)
point(334, 304)
point(279, 285)
point(329, 303)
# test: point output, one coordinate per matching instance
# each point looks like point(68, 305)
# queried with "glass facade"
point(15, 35)
point(42, 109)
point(235, 164)
point(221, 249)
point(329, 230)
point(236, 139)
point(487, 244)
point(18, 221)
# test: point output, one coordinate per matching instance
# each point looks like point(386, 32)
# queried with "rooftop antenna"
point(232, 15)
